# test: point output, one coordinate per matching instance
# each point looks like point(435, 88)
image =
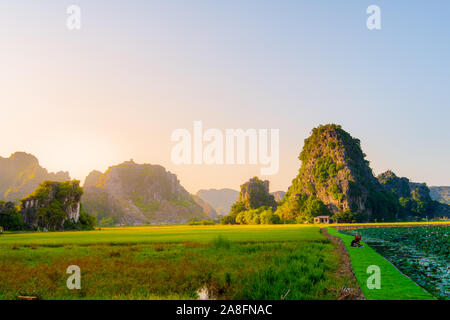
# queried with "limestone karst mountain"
point(335, 176)
point(255, 205)
point(133, 194)
point(20, 175)
point(415, 199)
point(255, 194)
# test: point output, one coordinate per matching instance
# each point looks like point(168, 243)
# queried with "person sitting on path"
point(356, 241)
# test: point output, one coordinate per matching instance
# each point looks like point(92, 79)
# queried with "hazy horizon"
point(136, 71)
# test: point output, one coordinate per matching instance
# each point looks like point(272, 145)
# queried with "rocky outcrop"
point(255, 193)
point(400, 187)
point(415, 200)
point(20, 175)
point(133, 194)
point(334, 172)
point(52, 204)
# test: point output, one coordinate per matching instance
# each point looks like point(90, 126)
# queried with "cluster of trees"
point(261, 215)
point(55, 200)
point(10, 217)
point(301, 208)
point(52, 201)
point(255, 205)
point(203, 222)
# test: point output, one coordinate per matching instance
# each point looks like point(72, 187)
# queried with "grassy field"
point(394, 285)
point(169, 234)
point(173, 262)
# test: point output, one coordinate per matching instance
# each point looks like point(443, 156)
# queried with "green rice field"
point(228, 262)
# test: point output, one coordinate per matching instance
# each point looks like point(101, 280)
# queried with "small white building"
point(323, 219)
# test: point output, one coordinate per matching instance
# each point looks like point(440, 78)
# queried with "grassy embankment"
point(394, 284)
point(233, 262)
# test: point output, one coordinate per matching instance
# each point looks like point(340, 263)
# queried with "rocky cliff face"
point(52, 204)
point(400, 187)
point(255, 193)
point(415, 199)
point(135, 194)
point(334, 171)
point(20, 174)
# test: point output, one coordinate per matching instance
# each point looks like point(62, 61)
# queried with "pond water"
point(421, 253)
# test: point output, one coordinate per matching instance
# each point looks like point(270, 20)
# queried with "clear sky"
point(138, 70)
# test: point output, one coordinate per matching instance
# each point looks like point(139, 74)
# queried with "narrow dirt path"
point(345, 270)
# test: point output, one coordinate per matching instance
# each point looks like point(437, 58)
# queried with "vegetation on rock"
point(414, 198)
point(133, 194)
point(335, 178)
point(56, 206)
point(255, 205)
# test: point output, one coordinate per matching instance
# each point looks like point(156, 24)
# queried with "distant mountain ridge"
point(133, 194)
point(441, 194)
point(20, 175)
point(220, 199)
point(278, 195)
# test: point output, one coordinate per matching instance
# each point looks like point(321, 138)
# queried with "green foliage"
point(349, 216)
point(413, 199)
point(335, 190)
point(384, 206)
point(324, 169)
point(195, 222)
point(229, 219)
point(398, 186)
point(106, 222)
point(157, 196)
point(221, 242)
point(262, 215)
point(254, 194)
point(251, 262)
point(86, 221)
point(301, 209)
point(10, 217)
point(334, 166)
point(51, 216)
point(55, 201)
point(254, 199)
